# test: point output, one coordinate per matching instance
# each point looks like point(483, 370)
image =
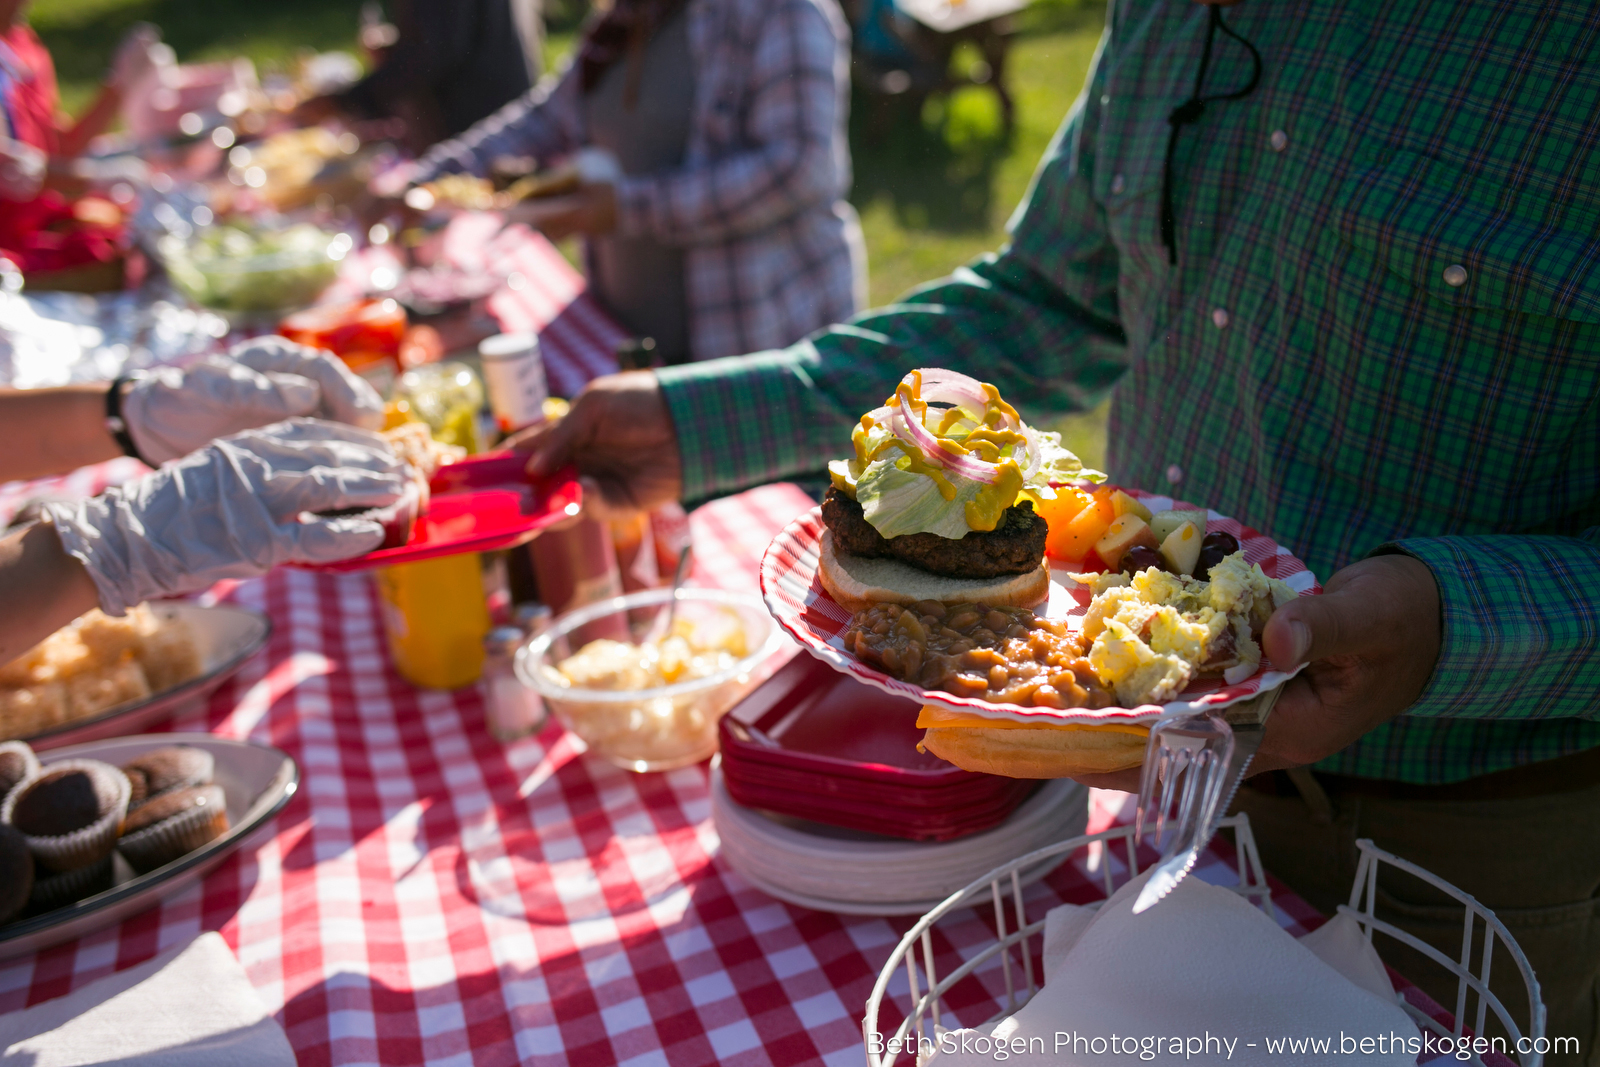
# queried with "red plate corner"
point(480, 504)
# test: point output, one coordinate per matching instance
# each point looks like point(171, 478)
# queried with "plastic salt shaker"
point(513, 369)
point(512, 709)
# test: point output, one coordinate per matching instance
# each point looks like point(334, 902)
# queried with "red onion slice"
point(910, 427)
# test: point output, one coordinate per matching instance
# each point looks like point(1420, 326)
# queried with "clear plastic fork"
point(1186, 760)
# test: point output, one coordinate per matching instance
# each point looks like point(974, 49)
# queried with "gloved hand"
point(346, 396)
point(233, 510)
point(134, 57)
point(171, 412)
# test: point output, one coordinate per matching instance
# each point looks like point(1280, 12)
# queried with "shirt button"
point(1118, 183)
point(1105, 98)
point(1219, 318)
point(1455, 276)
point(1174, 474)
point(1278, 140)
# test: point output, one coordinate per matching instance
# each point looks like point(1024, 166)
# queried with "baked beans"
point(1003, 655)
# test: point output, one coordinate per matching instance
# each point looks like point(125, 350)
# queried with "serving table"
point(432, 896)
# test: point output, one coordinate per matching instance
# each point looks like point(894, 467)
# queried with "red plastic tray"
point(816, 744)
point(480, 504)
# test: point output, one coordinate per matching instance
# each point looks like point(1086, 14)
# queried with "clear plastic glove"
point(346, 396)
point(135, 56)
point(235, 509)
point(171, 412)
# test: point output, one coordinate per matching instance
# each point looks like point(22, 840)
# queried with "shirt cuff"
point(739, 421)
point(1518, 622)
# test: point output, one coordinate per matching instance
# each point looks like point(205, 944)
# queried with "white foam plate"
point(852, 873)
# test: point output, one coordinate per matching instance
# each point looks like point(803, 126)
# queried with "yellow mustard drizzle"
point(988, 441)
point(997, 409)
point(984, 510)
point(951, 417)
point(858, 438)
point(916, 463)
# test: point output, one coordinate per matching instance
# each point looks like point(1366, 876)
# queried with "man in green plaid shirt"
point(1369, 325)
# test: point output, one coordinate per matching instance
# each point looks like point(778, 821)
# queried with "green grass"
point(934, 188)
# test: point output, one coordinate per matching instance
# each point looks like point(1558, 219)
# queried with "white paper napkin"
point(191, 1006)
point(1203, 977)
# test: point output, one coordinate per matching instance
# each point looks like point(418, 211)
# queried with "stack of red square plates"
point(815, 744)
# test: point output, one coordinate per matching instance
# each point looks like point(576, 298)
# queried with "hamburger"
point(932, 512)
point(933, 504)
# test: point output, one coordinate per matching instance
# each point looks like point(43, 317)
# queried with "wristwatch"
point(116, 425)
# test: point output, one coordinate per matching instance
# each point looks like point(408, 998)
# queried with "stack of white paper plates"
point(854, 873)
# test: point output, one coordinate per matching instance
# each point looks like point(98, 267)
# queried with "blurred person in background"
point(726, 230)
point(39, 227)
point(441, 65)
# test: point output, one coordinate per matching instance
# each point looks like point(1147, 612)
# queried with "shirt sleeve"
point(1520, 618)
point(1039, 320)
point(795, 158)
point(545, 122)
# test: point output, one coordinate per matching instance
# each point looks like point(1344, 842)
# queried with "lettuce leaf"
point(896, 501)
point(1059, 464)
point(899, 502)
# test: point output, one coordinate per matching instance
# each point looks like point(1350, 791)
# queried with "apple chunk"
point(1127, 505)
point(1125, 532)
point(1181, 549)
point(1164, 522)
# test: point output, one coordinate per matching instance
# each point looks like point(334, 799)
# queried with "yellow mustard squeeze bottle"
point(436, 618)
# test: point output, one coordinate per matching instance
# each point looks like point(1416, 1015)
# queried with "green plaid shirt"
point(1383, 328)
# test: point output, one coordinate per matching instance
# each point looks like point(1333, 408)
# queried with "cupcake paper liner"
point(29, 760)
point(67, 852)
point(204, 770)
point(52, 891)
point(17, 886)
point(175, 836)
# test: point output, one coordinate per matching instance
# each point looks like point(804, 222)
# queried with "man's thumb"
point(1311, 628)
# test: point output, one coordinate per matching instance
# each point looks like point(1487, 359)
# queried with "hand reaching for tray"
point(620, 435)
point(1370, 642)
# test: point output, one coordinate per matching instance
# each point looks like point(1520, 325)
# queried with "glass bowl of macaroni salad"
point(644, 695)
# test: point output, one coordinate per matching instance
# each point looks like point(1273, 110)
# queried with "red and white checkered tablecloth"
point(432, 896)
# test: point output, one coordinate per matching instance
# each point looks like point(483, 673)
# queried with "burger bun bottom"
point(858, 582)
point(1036, 753)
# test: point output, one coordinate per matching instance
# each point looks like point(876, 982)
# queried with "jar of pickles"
point(447, 396)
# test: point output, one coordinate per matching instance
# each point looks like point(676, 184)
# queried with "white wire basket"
point(924, 1021)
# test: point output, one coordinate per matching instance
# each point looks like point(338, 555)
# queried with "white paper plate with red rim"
point(798, 601)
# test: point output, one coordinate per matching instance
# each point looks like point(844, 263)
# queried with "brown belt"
point(1568, 774)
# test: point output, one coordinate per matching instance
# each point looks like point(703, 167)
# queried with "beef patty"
point(1014, 546)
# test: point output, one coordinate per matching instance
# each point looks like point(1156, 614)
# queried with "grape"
point(1213, 550)
point(1139, 558)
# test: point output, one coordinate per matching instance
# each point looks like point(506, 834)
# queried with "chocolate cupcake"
point(173, 825)
point(16, 873)
point(163, 770)
point(52, 891)
point(70, 812)
point(17, 762)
